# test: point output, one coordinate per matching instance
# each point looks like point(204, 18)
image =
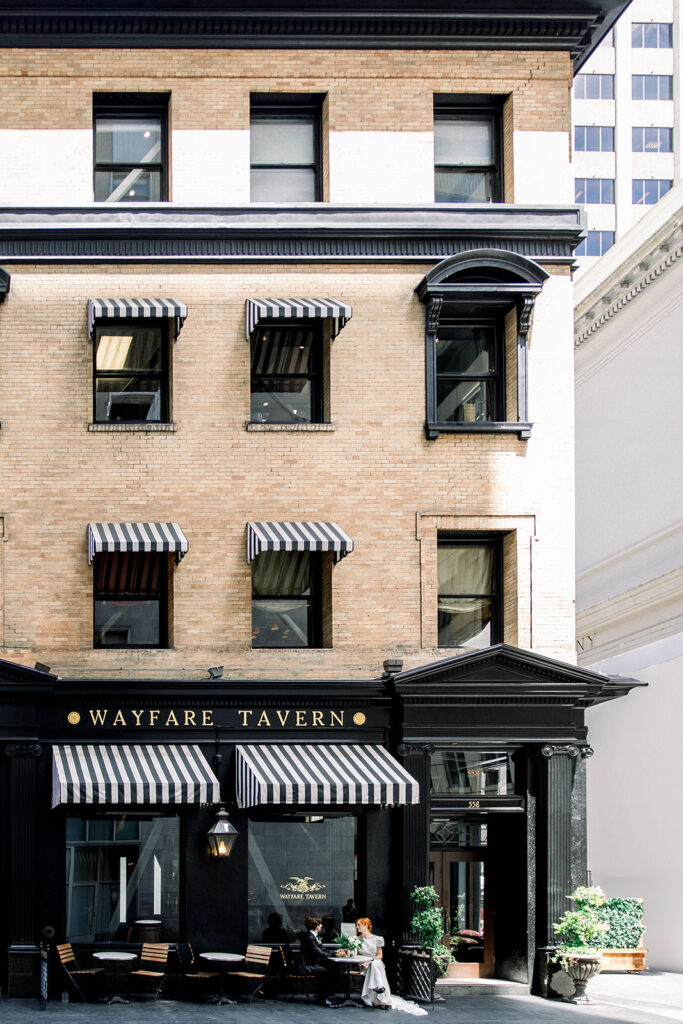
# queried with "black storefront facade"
point(468, 772)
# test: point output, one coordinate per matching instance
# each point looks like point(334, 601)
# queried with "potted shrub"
point(427, 925)
point(622, 948)
point(582, 932)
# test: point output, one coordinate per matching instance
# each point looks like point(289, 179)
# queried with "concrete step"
point(451, 987)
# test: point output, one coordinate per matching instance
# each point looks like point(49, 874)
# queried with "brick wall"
point(374, 473)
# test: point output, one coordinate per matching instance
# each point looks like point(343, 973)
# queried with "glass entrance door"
point(459, 876)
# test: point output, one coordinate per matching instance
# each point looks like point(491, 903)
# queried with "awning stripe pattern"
point(301, 536)
point(157, 537)
point(298, 309)
point(325, 774)
point(103, 309)
point(135, 774)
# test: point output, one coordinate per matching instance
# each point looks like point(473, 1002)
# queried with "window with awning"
point(321, 774)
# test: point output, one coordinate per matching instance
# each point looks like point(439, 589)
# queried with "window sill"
point(287, 428)
point(523, 430)
point(132, 428)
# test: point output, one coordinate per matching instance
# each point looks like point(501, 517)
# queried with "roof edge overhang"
point(575, 26)
point(300, 232)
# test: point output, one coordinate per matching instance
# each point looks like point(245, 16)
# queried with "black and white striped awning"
point(140, 774)
point(321, 773)
point(308, 536)
point(106, 309)
point(298, 309)
point(157, 537)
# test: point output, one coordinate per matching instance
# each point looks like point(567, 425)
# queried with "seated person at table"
point(274, 932)
point(314, 960)
point(329, 932)
point(376, 991)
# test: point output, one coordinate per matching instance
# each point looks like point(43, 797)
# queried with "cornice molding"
point(319, 232)
point(604, 304)
point(501, 25)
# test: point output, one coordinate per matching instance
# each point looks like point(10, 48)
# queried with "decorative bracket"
point(566, 750)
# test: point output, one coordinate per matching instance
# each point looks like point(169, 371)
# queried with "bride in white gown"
point(376, 991)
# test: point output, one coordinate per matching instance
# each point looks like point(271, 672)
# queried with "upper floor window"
point(470, 591)
point(593, 139)
point(131, 151)
point(648, 191)
point(652, 140)
point(593, 190)
point(286, 373)
point(131, 372)
point(469, 364)
point(285, 145)
point(652, 87)
point(467, 152)
point(131, 599)
point(286, 605)
point(596, 243)
point(656, 35)
point(478, 314)
point(594, 87)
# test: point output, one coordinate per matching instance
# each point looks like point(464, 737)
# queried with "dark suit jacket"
point(312, 954)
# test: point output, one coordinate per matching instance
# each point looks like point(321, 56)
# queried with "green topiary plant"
point(581, 930)
point(427, 924)
point(624, 918)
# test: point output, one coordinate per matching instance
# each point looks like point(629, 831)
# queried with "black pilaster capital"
point(415, 748)
point(566, 750)
point(23, 750)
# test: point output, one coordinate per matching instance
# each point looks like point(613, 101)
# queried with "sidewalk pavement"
point(652, 997)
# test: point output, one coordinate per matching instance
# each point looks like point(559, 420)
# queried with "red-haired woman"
point(376, 990)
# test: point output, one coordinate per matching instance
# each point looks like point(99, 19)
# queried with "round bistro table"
point(348, 962)
point(223, 959)
point(116, 958)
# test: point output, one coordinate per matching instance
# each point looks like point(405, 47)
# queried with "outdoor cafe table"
point(348, 962)
point(223, 959)
point(116, 958)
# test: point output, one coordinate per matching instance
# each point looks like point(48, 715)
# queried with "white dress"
point(375, 973)
point(376, 977)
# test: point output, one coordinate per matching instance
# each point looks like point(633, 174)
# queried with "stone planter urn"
point(581, 968)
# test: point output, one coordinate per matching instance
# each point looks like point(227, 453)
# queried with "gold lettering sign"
point(173, 718)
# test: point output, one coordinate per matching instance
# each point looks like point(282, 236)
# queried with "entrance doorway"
point(459, 877)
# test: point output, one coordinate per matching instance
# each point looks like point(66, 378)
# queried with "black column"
point(23, 951)
point(415, 826)
point(561, 846)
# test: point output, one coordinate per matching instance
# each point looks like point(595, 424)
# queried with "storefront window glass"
point(299, 868)
point(119, 871)
point(475, 773)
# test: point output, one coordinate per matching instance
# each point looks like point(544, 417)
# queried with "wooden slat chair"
point(149, 977)
point(294, 983)
point(88, 982)
point(198, 984)
point(250, 981)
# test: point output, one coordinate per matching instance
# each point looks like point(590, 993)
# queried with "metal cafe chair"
point(294, 983)
point(250, 981)
point(88, 982)
point(197, 984)
point(151, 974)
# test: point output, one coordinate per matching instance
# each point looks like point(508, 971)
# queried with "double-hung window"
point(467, 151)
point(286, 146)
point(286, 605)
point(131, 148)
point(469, 363)
point(478, 317)
point(131, 371)
point(470, 591)
point(286, 373)
point(131, 599)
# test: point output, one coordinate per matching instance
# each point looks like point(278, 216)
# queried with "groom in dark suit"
point(314, 960)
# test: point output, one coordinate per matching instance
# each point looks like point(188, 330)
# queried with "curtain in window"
point(465, 569)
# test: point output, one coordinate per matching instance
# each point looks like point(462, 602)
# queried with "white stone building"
point(629, 374)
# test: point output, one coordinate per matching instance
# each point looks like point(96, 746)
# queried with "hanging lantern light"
point(222, 835)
